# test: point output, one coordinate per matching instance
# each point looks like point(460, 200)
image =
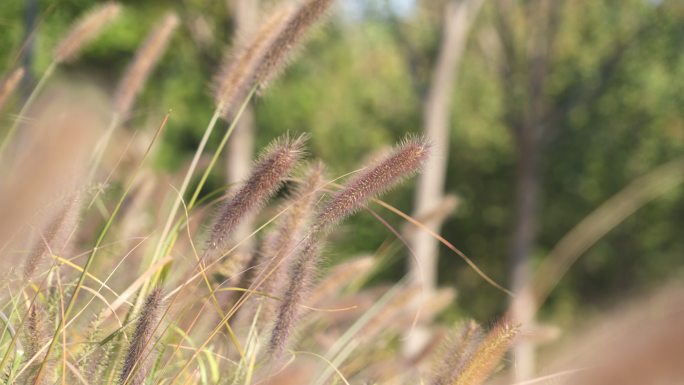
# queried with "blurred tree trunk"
point(458, 18)
point(240, 152)
point(524, 69)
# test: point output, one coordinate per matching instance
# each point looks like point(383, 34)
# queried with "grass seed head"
point(86, 29)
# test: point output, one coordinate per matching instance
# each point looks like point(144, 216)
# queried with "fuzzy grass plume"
point(289, 229)
point(139, 355)
point(302, 274)
point(268, 175)
point(36, 333)
point(85, 30)
point(142, 65)
point(290, 38)
point(478, 366)
point(457, 352)
point(406, 160)
point(236, 75)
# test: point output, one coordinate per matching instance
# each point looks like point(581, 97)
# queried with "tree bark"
point(458, 18)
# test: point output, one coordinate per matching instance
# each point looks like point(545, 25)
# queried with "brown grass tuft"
point(289, 229)
point(86, 29)
point(139, 355)
point(10, 83)
point(142, 65)
point(236, 75)
point(407, 159)
point(480, 365)
point(36, 334)
point(268, 174)
point(301, 277)
point(456, 353)
point(289, 38)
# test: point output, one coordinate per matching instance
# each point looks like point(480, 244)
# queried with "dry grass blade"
point(601, 221)
point(86, 29)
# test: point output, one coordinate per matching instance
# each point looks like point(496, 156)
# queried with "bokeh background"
point(565, 102)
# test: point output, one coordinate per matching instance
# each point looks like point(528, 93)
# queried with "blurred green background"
point(613, 96)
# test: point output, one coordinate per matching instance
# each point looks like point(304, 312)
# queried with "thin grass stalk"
point(345, 345)
point(289, 229)
point(404, 161)
point(72, 300)
point(27, 105)
point(167, 227)
point(167, 244)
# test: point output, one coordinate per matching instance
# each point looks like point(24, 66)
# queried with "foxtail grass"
point(478, 366)
point(289, 228)
point(85, 30)
point(289, 39)
point(140, 352)
point(268, 175)
point(457, 352)
point(404, 161)
point(236, 74)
